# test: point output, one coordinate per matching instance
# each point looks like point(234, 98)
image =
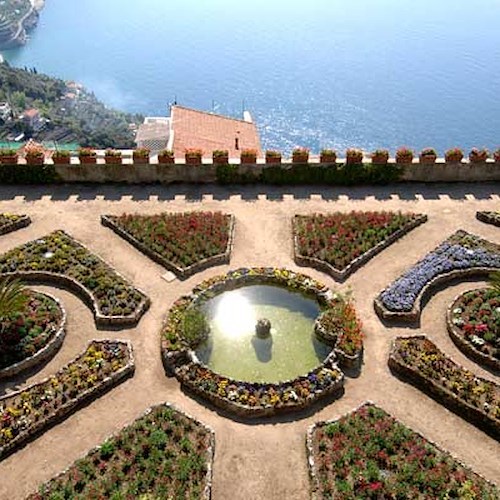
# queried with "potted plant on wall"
point(404, 155)
point(34, 153)
point(300, 156)
point(248, 156)
point(166, 156)
point(428, 156)
point(193, 156)
point(380, 157)
point(273, 157)
point(354, 156)
point(140, 156)
point(87, 155)
point(328, 156)
point(61, 157)
point(478, 155)
point(496, 156)
point(8, 156)
point(220, 157)
point(454, 155)
point(112, 157)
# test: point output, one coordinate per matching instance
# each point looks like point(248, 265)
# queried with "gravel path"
point(265, 459)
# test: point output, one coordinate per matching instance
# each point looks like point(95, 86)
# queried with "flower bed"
point(12, 222)
point(163, 454)
point(369, 454)
point(489, 217)
point(473, 321)
point(31, 336)
point(28, 412)
point(339, 243)
point(419, 361)
point(261, 399)
point(58, 258)
point(461, 255)
point(184, 243)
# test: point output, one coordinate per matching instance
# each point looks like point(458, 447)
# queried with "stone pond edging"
point(487, 218)
point(23, 221)
point(466, 347)
point(83, 398)
point(341, 275)
point(181, 273)
point(440, 393)
point(44, 354)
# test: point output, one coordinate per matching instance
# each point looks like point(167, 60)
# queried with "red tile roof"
point(208, 132)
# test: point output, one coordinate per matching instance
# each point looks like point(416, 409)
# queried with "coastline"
point(27, 23)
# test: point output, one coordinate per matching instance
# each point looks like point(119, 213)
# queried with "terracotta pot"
point(248, 159)
point(35, 160)
point(61, 160)
point(87, 160)
point(8, 160)
point(379, 160)
point(113, 160)
point(193, 160)
point(404, 160)
point(453, 159)
point(327, 158)
point(273, 160)
point(300, 158)
point(220, 160)
point(140, 160)
point(427, 159)
point(166, 160)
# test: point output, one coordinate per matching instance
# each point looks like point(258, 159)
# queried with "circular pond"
point(234, 347)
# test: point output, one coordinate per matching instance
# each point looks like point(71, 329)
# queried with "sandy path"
point(262, 460)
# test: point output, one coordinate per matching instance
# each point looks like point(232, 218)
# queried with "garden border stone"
point(181, 273)
point(466, 347)
point(354, 265)
point(66, 409)
point(23, 221)
point(313, 475)
point(44, 354)
point(441, 394)
point(488, 218)
point(207, 490)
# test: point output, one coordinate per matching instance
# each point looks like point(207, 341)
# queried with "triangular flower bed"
point(184, 243)
point(339, 243)
point(369, 454)
point(12, 222)
point(489, 217)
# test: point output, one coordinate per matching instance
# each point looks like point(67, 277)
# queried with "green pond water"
point(234, 350)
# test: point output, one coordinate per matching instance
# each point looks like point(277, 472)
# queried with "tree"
point(13, 297)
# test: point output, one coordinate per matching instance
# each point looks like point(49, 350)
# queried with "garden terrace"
point(30, 411)
point(460, 256)
point(339, 243)
point(473, 321)
point(252, 399)
point(12, 222)
point(183, 243)
point(163, 454)
point(60, 259)
point(489, 217)
point(31, 335)
point(419, 361)
point(369, 454)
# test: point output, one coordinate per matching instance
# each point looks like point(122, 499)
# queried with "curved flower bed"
point(462, 254)
point(369, 454)
point(419, 361)
point(339, 243)
point(58, 258)
point(473, 321)
point(184, 243)
point(489, 217)
point(13, 222)
point(33, 335)
point(251, 399)
point(163, 454)
point(28, 412)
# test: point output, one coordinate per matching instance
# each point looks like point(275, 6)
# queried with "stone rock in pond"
point(263, 328)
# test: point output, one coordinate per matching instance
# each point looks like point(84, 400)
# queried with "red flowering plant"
point(354, 156)
point(496, 155)
point(454, 155)
point(404, 155)
point(478, 155)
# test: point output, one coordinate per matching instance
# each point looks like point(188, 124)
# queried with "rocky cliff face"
point(14, 33)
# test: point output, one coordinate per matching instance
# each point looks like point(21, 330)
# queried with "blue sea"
point(317, 73)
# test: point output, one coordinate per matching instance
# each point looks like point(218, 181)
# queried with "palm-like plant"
point(13, 297)
point(494, 281)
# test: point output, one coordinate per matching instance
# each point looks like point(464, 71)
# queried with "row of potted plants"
point(419, 361)
point(181, 242)
point(59, 255)
point(461, 254)
point(31, 410)
point(369, 454)
point(489, 217)
point(12, 222)
point(340, 240)
point(163, 454)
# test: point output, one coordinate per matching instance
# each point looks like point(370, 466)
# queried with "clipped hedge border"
point(466, 347)
point(181, 272)
point(489, 217)
point(440, 393)
point(342, 274)
point(23, 221)
point(71, 405)
point(313, 473)
point(44, 354)
point(414, 314)
point(207, 490)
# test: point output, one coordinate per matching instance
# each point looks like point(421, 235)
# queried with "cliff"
point(19, 17)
